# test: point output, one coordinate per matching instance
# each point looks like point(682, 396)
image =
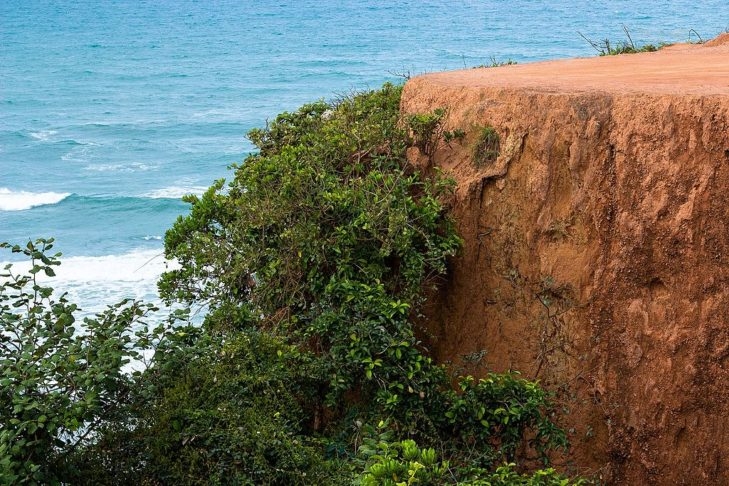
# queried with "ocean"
point(110, 111)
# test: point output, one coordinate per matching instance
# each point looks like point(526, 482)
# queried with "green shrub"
point(501, 409)
point(326, 239)
point(426, 129)
point(455, 134)
point(61, 379)
point(401, 462)
point(313, 264)
point(486, 149)
point(507, 475)
point(219, 411)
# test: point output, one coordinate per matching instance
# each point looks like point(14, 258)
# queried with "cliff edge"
point(596, 254)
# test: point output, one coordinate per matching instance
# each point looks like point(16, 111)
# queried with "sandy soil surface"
point(682, 68)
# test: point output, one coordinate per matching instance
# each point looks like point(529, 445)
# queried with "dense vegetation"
point(312, 265)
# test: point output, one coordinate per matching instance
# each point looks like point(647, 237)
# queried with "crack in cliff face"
point(609, 206)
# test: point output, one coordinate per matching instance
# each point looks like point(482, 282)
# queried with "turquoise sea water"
point(111, 110)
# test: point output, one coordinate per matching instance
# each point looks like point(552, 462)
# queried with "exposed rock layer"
point(596, 248)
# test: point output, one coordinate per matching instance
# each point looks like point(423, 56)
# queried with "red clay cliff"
point(596, 254)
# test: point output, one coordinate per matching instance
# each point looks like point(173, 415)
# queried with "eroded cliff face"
point(596, 253)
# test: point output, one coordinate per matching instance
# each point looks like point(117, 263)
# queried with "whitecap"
point(134, 267)
point(43, 135)
point(22, 200)
point(152, 238)
point(106, 167)
point(174, 192)
point(93, 282)
point(77, 154)
point(127, 168)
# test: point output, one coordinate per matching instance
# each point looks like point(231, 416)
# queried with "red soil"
point(596, 252)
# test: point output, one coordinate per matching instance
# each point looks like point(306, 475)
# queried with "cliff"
point(596, 253)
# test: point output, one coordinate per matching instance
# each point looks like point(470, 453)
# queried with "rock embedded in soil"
point(596, 254)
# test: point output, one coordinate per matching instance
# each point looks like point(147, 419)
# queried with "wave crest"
point(22, 200)
point(135, 167)
point(175, 192)
point(96, 281)
point(42, 135)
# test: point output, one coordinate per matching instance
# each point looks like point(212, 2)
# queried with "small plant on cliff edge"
point(496, 63)
point(426, 129)
point(455, 134)
point(627, 46)
point(486, 149)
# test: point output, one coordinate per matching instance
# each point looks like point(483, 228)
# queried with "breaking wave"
point(22, 200)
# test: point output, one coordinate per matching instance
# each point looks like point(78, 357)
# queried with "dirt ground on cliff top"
point(679, 69)
point(596, 253)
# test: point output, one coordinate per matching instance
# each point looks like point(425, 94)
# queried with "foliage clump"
point(60, 378)
point(313, 264)
point(493, 62)
point(426, 129)
point(486, 149)
point(606, 47)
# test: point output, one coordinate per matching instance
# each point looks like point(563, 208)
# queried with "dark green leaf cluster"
point(401, 462)
point(499, 409)
point(426, 129)
point(404, 463)
point(217, 411)
point(59, 377)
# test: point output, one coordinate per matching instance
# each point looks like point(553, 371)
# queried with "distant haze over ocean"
point(110, 111)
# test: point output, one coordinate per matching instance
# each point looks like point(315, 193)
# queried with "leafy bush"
point(312, 263)
point(507, 475)
point(326, 239)
point(401, 462)
point(60, 379)
point(426, 129)
point(500, 409)
point(455, 134)
point(219, 411)
point(327, 236)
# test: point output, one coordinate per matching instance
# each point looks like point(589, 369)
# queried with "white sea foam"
point(98, 281)
point(218, 115)
point(134, 167)
point(135, 266)
point(22, 200)
point(81, 152)
point(175, 192)
point(152, 238)
point(43, 135)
